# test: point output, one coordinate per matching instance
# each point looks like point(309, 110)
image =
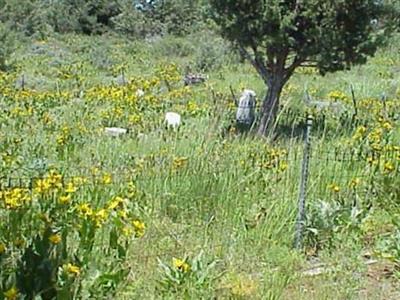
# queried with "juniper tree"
point(278, 36)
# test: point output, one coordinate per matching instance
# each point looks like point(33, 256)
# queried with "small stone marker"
point(139, 93)
point(172, 120)
point(191, 79)
point(115, 131)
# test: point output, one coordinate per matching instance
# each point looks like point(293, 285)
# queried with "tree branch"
point(297, 61)
point(281, 60)
point(257, 64)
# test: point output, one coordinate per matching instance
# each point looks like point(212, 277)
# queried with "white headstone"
point(139, 93)
point(245, 114)
point(172, 119)
point(115, 131)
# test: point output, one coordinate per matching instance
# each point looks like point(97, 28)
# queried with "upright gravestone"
point(245, 114)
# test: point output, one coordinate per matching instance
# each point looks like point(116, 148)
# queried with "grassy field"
point(199, 213)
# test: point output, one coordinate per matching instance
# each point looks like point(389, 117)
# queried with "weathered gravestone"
point(192, 79)
point(246, 110)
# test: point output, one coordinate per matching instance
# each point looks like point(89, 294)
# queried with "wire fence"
point(335, 165)
point(339, 160)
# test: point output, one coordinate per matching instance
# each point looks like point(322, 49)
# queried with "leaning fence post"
point(301, 214)
point(355, 113)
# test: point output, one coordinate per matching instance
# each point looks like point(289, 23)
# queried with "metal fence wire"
point(346, 166)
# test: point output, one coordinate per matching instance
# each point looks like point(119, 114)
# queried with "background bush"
point(134, 18)
point(8, 42)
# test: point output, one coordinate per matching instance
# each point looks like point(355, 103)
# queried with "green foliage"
point(212, 52)
point(19, 14)
point(149, 18)
point(284, 35)
point(7, 45)
point(33, 16)
point(334, 34)
point(325, 219)
point(136, 18)
point(182, 275)
point(233, 197)
point(132, 22)
point(202, 51)
point(38, 267)
point(178, 16)
point(89, 17)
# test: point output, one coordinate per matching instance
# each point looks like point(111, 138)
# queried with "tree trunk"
point(270, 105)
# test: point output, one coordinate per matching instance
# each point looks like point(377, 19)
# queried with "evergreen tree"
point(277, 36)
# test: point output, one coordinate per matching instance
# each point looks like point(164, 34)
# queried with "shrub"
point(7, 44)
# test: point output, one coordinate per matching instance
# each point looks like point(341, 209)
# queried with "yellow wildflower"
point(107, 179)
point(70, 188)
point(181, 265)
point(337, 96)
point(127, 231)
point(354, 182)
point(139, 228)
point(94, 171)
point(42, 186)
point(117, 202)
point(72, 269)
point(123, 214)
point(179, 162)
point(65, 199)
point(334, 188)
point(388, 167)
point(360, 133)
point(15, 197)
point(12, 203)
point(283, 166)
point(60, 140)
point(55, 179)
point(55, 239)
point(132, 190)
point(79, 180)
point(85, 210)
point(387, 125)
point(100, 217)
point(372, 161)
point(11, 294)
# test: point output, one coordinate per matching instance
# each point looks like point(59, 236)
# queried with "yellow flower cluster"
point(179, 162)
point(64, 136)
point(179, 93)
point(115, 208)
point(52, 182)
point(169, 73)
point(55, 239)
point(15, 198)
point(11, 294)
point(334, 187)
point(337, 95)
point(289, 89)
point(355, 182)
point(21, 111)
point(272, 158)
point(360, 133)
point(72, 269)
point(181, 265)
point(306, 70)
point(139, 228)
